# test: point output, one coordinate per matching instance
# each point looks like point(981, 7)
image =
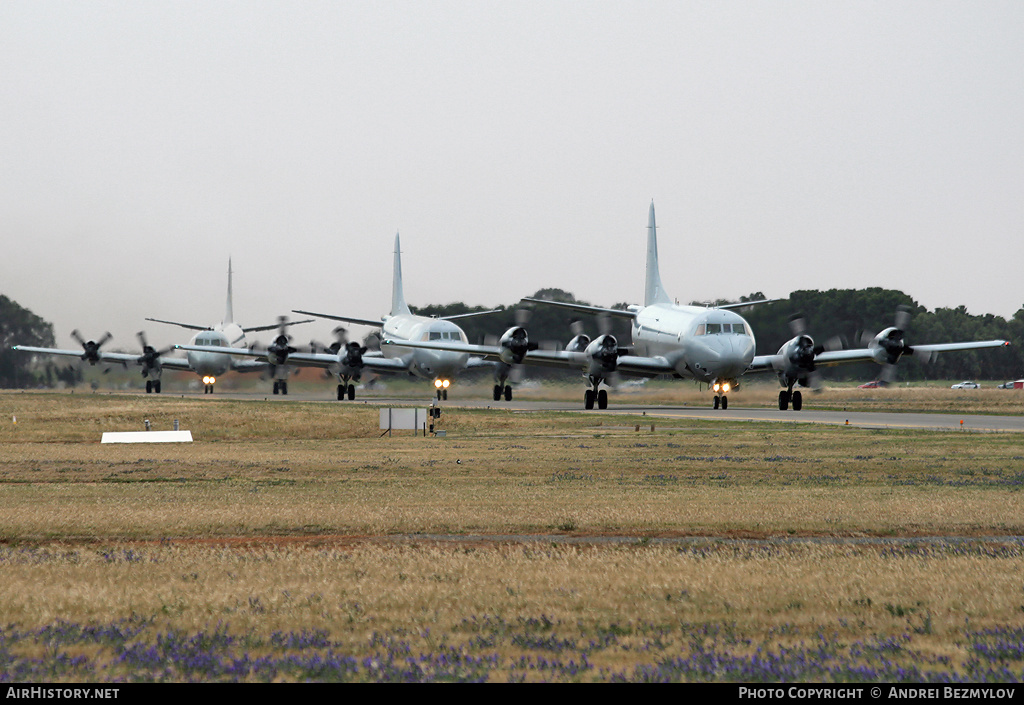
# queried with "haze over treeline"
point(851, 316)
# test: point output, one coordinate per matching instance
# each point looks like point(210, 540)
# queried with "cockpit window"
point(715, 328)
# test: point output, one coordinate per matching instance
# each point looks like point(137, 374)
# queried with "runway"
point(860, 419)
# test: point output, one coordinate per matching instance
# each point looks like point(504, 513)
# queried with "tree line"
point(19, 326)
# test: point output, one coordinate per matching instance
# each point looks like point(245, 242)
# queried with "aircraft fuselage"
point(210, 364)
point(707, 344)
point(429, 364)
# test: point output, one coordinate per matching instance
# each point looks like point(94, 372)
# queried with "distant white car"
point(966, 384)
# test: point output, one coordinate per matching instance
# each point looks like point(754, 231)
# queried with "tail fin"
point(398, 305)
point(229, 314)
point(654, 293)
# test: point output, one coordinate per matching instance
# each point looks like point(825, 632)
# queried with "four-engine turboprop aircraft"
point(347, 360)
point(209, 364)
point(710, 345)
point(151, 361)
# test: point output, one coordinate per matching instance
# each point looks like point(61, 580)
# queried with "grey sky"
point(515, 145)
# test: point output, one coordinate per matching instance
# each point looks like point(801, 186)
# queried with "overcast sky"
point(514, 145)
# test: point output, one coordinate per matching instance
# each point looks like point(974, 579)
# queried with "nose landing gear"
point(721, 388)
point(442, 388)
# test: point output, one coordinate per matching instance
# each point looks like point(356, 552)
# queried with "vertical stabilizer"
point(398, 305)
point(654, 292)
point(229, 314)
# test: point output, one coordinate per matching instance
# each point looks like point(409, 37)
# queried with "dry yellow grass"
point(292, 516)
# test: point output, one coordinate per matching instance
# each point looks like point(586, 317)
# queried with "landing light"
point(209, 380)
point(445, 383)
point(438, 383)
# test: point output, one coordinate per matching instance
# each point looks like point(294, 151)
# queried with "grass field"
point(290, 542)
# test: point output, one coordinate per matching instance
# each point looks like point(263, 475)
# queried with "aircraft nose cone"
point(735, 354)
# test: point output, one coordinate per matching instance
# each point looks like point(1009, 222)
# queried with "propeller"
point(91, 348)
point(890, 345)
point(279, 350)
point(800, 352)
point(150, 357)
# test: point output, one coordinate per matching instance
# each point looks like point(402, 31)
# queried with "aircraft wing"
point(764, 363)
point(597, 310)
point(296, 359)
point(274, 326)
point(471, 314)
point(580, 308)
point(182, 325)
point(124, 359)
point(627, 364)
point(838, 357)
point(346, 319)
point(325, 360)
point(830, 358)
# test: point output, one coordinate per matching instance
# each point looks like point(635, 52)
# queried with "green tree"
point(19, 326)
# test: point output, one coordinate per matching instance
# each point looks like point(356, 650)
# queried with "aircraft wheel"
point(439, 395)
point(508, 392)
point(602, 399)
point(284, 387)
point(444, 395)
point(149, 387)
point(717, 401)
point(725, 402)
point(588, 399)
point(341, 392)
point(798, 401)
point(497, 392)
point(783, 400)
point(351, 392)
point(156, 386)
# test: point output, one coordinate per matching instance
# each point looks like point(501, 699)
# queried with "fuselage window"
point(702, 329)
point(739, 329)
point(714, 328)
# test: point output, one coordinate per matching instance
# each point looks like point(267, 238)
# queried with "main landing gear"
point(722, 401)
point(346, 390)
point(788, 396)
point(500, 392)
point(595, 395)
point(280, 386)
point(152, 386)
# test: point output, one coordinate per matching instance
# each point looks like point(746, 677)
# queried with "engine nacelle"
point(888, 346)
point(278, 352)
point(604, 353)
point(795, 361)
point(515, 343)
point(578, 344)
point(351, 356)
